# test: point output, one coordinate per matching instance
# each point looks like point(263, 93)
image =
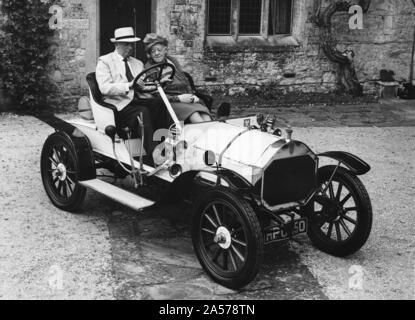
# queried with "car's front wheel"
point(227, 238)
point(340, 215)
point(59, 170)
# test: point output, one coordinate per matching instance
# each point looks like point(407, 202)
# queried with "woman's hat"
point(124, 35)
point(152, 39)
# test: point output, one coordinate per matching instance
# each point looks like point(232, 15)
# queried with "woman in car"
point(187, 106)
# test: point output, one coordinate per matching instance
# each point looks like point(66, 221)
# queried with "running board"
point(126, 198)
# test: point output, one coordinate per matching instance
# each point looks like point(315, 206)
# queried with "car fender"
point(352, 162)
point(225, 178)
point(82, 148)
point(184, 185)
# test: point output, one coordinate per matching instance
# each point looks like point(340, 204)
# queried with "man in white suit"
point(115, 75)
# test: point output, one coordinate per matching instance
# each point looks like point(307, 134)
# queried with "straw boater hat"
point(124, 35)
point(152, 39)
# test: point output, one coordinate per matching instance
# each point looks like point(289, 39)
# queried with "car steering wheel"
point(157, 77)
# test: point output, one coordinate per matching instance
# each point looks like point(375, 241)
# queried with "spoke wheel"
point(227, 238)
point(340, 215)
point(59, 170)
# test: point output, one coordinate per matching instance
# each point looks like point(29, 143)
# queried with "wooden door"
point(124, 13)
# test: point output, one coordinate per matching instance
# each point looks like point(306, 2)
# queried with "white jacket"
point(112, 79)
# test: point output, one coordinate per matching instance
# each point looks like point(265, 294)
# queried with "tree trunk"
point(347, 78)
point(348, 81)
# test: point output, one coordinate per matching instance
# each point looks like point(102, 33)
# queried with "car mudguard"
point(80, 143)
point(225, 178)
point(185, 184)
point(352, 162)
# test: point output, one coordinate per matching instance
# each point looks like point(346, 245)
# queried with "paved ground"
point(387, 113)
point(108, 252)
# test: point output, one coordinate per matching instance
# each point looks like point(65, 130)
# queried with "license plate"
point(275, 234)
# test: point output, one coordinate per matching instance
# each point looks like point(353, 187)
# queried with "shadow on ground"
point(153, 258)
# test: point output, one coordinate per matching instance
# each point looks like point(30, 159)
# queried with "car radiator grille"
point(288, 180)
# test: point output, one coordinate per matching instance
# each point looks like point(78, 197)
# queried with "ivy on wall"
point(24, 51)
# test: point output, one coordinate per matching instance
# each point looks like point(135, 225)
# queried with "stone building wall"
point(384, 43)
point(249, 65)
point(4, 100)
point(75, 49)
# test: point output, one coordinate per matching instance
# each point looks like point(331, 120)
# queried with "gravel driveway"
point(387, 260)
point(108, 253)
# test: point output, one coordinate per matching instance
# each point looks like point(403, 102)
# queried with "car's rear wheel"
point(340, 215)
point(227, 238)
point(59, 170)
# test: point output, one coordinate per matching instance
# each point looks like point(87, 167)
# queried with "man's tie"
point(128, 72)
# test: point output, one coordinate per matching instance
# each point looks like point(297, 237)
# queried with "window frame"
point(207, 21)
point(235, 18)
point(291, 21)
point(238, 4)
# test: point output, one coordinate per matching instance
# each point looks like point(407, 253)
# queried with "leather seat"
point(96, 93)
point(105, 114)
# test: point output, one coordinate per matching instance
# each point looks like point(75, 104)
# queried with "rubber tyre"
point(252, 232)
point(364, 215)
point(73, 202)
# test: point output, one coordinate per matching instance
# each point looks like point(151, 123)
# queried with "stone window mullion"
point(265, 19)
point(235, 19)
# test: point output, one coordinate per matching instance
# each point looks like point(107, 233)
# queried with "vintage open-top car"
point(249, 186)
